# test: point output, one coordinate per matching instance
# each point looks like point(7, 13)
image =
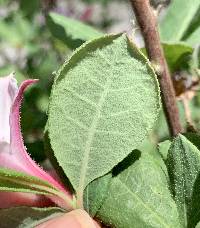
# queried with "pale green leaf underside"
point(139, 197)
point(104, 102)
point(26, 217)
point(13, 181)
point(184, 171)
point(178, 19)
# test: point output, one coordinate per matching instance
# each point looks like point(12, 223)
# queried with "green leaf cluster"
point(143, 195)
point(103, 105)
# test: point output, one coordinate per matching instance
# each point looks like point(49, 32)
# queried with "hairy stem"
point(148, 25)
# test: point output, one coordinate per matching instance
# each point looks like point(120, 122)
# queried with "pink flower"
point(13, 153)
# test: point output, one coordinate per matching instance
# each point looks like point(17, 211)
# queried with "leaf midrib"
point(88, 144)
point(145, 205)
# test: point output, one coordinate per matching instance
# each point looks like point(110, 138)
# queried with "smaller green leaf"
point(95, 193)
point(175, 53)
point(150, 147)
point(27, 217)
point(163, 148)
point(184, 171)
point(138, 196)
point(70, 31)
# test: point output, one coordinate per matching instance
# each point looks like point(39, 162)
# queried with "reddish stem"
point(148, 25)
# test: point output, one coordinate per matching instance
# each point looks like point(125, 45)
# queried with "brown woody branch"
point(148, 25)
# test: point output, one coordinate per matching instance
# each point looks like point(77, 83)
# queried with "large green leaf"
point(104, 102)
point(184, 169)
point(27, 217)
point(70, 31)
point(139, 197)
point(178, 19)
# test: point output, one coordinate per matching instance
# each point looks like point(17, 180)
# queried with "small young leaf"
point(184, 169)
point(163, 148)
point(70, 31)
point(139, 197)
point(27, 217)
point(104, 102)
point(174, 52)
point(95, 193)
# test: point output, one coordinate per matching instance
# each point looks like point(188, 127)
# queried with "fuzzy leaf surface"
point(184, 169)
point(139, 197)
point(26, 217)
point(103, 104)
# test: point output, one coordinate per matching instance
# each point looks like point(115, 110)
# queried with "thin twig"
point(148, 26)
point(188, 118)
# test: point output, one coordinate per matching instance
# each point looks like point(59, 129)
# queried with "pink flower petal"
point(15, 156)
point(8, 91)
point(17, 145)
